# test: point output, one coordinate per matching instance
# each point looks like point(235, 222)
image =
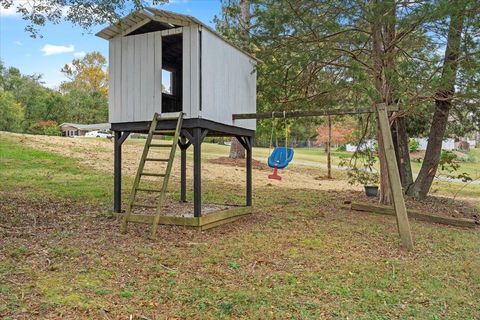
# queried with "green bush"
point(342, 147)
point(413, 144)
point(48, 128)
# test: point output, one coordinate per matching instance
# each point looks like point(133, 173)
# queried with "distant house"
point(75, 129)
point(447, 144)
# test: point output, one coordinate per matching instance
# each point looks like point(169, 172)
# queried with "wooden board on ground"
point(385, 210)
point(208, 221)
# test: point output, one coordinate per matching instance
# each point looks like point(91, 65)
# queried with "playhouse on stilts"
point(209, 80)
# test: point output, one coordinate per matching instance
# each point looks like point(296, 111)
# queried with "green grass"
point(300, 256)
point(38, 172)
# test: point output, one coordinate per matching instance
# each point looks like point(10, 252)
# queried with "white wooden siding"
point(135, 72)
point(228, 82)
point(191, 71)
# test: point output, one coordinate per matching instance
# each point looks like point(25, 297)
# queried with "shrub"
point(413, 144)
point(48, 128)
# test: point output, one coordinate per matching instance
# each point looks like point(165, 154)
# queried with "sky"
point(64, 42)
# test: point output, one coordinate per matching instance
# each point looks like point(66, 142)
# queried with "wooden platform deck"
point(214, 218)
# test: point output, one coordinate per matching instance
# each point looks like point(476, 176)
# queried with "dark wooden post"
point(117, 168)
point(119, 138)
point(197, 172)
point(183, 169)
point(249, 141)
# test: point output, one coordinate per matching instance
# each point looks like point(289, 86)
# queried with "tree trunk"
point(398, 129)
point(237, 151)
point(443, 103)
point(402, 152)
point(329, 149)
point(382, 96)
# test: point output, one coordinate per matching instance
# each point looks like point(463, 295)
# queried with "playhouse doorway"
point(172, 70)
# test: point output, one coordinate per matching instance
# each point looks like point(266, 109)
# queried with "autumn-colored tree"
point(88, 74)
point(86, 92)
point(340, 134)
point(329, 134)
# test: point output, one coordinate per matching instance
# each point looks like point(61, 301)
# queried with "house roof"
point(163, 19)
point(88, 127)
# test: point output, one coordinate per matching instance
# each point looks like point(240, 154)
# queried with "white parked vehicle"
point(98, 134)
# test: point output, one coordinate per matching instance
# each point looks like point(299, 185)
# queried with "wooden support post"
point(394, 178)
point(249, 142)
point(183, 169)
point(117, 168)
point(119, 138)
point(197, 172)
point(329, 148)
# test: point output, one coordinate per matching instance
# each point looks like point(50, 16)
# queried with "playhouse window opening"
point(172, 70)
point(167, 86)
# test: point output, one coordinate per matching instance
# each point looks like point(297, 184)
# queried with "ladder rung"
point(161, 118)
point(143, 205)
point(153, 174)
point(163, 131)
point(149, 190)
point(155, 159)
point(162, 145)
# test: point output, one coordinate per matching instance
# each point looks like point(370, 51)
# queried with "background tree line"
point(26, 105)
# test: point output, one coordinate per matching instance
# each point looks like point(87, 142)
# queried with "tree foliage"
point(31, 107)
point(336, 54)
point(86, 74)
point(84, 13)
point(11, 113)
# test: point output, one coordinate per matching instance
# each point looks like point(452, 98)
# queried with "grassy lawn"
point(301, 255)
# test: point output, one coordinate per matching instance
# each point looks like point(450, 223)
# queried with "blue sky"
point(64, 42)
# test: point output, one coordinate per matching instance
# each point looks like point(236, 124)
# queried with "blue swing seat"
point(280, 157)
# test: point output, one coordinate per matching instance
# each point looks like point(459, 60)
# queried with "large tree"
point(443, 98)
point(334, 54)
point(88, 74)
point(329, 54)
point(86, 90)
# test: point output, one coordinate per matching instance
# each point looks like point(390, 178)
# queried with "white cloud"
point(10, 12)
point(79, 54)
point(51, 49)
point(18, 43)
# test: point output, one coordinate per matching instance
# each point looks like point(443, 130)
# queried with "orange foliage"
point(340, 134)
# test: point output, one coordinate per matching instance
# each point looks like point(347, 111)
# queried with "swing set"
point(282, 156)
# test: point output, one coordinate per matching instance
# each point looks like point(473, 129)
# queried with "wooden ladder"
point(141, 173)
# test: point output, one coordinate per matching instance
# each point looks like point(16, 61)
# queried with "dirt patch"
point(436, 205)
point(227, 161)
